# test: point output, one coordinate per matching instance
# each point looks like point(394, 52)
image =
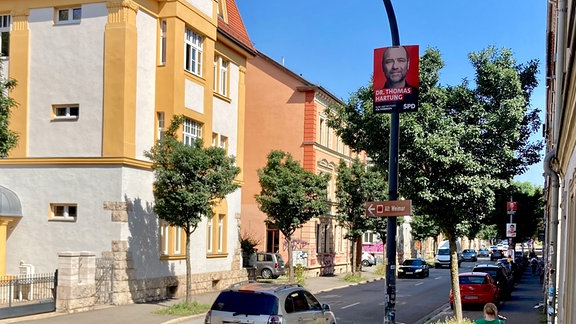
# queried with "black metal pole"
point(390, 313)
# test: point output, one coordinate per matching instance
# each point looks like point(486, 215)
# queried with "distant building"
point(285, 112)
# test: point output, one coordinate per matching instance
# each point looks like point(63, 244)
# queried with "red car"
point(477, 288)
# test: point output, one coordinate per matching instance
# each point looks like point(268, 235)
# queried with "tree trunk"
point(188, 269)
point(290, 267)
point(353, 245)
point(454, 279)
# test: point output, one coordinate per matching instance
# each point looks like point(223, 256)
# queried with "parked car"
point(496, 254)
point(416, 267)
point(368, 259)
point(269, 265)
point(483, 252)
point(263, 303)
point(477, 288)
point(469, 255)
point(503, 278)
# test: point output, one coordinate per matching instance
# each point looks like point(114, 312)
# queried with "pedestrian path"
point(520, 309)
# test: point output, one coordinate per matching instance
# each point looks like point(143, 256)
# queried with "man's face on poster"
point(395, 64)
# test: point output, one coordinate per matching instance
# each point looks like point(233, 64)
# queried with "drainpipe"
point(552, 233)
point(551, 157)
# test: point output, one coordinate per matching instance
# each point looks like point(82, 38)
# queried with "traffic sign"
point(389, 208)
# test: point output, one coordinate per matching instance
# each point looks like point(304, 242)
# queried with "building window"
point(161, 125)
point(216, 234)
point(191, 131)
point(68, 15)
point(163, 42)
point(5, 24)
point(177, 240)
point(63, 212)
point(209, 236)
point(65, 112)
point(171, 241)
point(221, 79)
point(220, 233)
point(193, 52)
point(321, 132)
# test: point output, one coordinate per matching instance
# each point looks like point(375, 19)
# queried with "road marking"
point(418, 284)
point(350, 305)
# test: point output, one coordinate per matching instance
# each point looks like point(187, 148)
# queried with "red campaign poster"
point(396, 78)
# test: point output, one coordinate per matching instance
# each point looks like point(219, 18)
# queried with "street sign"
point(389, 208)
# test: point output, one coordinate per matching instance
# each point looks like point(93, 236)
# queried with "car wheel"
point(266, 273)
point(365, 263)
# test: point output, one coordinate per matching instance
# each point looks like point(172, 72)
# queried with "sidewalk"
point(520, 309)
point(143, 313)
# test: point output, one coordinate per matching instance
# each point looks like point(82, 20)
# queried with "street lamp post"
point(390, 313)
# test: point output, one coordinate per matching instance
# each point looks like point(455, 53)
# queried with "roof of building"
point(235, 28)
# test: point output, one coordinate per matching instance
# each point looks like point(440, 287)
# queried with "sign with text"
point(396, 79)
point(389, 208)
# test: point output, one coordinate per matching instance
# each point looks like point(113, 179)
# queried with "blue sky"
point(331, 42)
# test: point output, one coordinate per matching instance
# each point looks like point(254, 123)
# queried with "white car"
point(264, 303)
point(368, 259)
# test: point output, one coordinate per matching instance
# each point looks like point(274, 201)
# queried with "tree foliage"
point(355, 186)
point(189, 182)
point(464, 143)
point(8, 138)
point(290, 196)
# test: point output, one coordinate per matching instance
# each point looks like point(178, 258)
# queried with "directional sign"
point(389, 208)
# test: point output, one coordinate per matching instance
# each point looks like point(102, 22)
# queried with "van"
point(443, 254)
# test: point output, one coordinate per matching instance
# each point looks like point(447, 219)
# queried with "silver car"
point(264, 303)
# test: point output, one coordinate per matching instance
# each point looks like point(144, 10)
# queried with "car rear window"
point(474, 280)
point(246, 303)
point(280, 260)
point(492, 272)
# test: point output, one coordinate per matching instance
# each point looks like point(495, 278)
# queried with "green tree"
point(355, 186)
point(460, 147)
point(290, 196)
point(8, 138)
point(488, 232)
point(528, 216)
point(189, 182)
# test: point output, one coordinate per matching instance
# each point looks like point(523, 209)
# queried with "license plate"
point(409, 272)
point(470, 297)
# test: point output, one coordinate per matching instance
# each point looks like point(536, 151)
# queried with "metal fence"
point(27, 294)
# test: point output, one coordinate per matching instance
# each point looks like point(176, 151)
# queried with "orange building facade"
point(286, 112)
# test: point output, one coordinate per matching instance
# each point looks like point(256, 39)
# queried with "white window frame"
point(177, 240)
point(209, 236)
point(63, 212)
point(164, 236)
point(220, 232)
point(191, 131)
point(65, 112)
point(163, 41)
point(70, 12)
point(161, 125)
point(5, 28)
point(193, 52)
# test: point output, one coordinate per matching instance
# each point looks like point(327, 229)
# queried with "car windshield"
point(444, 252)
point(246, 303)
point(412, 262)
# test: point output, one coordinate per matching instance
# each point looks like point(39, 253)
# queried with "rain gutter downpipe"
point(551, 157)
